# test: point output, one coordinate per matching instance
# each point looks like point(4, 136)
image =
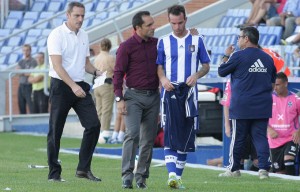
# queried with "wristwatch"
point(118, 99)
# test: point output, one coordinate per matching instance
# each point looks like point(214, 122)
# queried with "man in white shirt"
point(68, 48)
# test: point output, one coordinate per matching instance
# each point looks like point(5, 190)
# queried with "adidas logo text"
point(258, 67)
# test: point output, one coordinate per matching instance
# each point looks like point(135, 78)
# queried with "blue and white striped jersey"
point(181, 57)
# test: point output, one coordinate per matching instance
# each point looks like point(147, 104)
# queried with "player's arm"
point(165, 82)
point(192, 80)
point(62, 73)
point(89, 68)
point(272, 133)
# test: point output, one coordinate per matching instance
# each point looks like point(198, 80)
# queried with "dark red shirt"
point(137, 59)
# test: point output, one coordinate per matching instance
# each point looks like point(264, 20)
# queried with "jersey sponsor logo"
point(257, 67)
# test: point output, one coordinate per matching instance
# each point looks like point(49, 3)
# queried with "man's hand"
point(191, 80)
point(272, 133)
point(121, 107)
point(166, 83)
point(296, 136)
point(229, 50)
point(78, 91)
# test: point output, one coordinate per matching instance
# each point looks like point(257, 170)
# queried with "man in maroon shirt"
point(136, 57)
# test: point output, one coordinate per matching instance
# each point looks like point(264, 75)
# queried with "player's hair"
point(137, 19)
point(27, 45)
point(74, 4)
point(105, 44)
point(252, 34)
point(176, 10)
point(282, 76)
point(41, 53)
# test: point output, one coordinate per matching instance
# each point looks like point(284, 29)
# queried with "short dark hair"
point(176, 10)
point(282, 76)
point(137, 19)
point(105, 44)
point(41, 53)
point(74, 4)
point(252, 34)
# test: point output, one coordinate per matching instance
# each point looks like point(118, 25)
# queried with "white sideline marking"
point(162, 163)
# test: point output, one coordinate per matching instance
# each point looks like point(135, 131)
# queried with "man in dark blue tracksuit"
point(252, 79)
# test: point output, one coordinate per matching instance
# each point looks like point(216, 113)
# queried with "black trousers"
point(62, 99)
point(24, 97)
point(40, 102)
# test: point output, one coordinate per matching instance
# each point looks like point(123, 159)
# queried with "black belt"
point(144, 91)
point(108, 80)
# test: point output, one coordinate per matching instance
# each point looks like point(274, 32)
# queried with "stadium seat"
point(89, 6)
point(103, 15)
point(34, 32)
point(22, 34)
point(46, 32)
point(11, 23)
point(31, 40)
point(101, 5)
point(26, 23)
point(13, 58)
point(55, 6)
point(3, 60)
point(15, 15)
point(125, 6)
point(46, 14)
point(31, 15)
point(38, 6)
point(56, 22)
point(42, 42)
point(6, 49)
point(15, 41)
point(4, 33)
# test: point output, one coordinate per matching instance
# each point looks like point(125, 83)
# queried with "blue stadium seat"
point(55, 6)
point(46, 32)
point(6, 49)
point(34, 32)
point(15, 41)
point(271, 30)
point(101, 5)
point(89, 6)
point(56, 22)
point(22, 34)
point(31, 15)
point(13, 58)
point(15, 15)
point(11, 23)
point(125, 6)
point(103, 15)
point(4, 33)
point(26, 23)
point(38, 6)
point(267, 40)
point(46, 14)
point(3, 60)
point(42, 42)
point(31, 40)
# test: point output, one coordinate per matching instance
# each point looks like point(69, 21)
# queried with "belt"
point(108, 80)
point(144, 91)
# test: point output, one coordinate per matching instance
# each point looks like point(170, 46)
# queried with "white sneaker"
point(263, 174)
point(228, 173)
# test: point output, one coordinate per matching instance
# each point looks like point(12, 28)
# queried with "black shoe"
point(59, 179)
point(127, 184)
point(141, 186)
point(87, 175)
